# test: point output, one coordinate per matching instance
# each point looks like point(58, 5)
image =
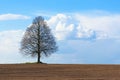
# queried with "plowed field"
point(59, 72)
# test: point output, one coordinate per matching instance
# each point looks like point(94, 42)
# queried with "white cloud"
point(12, 17)
point(61, 26)
point(9, 46)
point(108, 24)
point(9, 41)
point(99, 25)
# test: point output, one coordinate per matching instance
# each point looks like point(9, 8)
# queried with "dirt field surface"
point(59, 72)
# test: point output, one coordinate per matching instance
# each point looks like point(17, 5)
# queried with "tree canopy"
point(38, 40)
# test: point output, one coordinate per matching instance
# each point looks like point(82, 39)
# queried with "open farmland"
point(59, 72)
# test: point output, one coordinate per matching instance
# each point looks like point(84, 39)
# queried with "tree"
point(38, 40)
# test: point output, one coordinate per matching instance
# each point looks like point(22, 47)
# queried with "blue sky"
point(86, 31)
point(57, 5)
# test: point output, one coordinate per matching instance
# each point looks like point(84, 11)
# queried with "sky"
point(86, 31)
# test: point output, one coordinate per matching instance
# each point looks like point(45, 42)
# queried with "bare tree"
point(38, 40)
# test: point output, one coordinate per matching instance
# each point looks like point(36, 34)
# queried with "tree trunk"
point(38, 58)
point(38, 44)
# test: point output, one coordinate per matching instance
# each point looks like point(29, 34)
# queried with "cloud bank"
point(74, 33)
point(86, 27)
point(9, 46)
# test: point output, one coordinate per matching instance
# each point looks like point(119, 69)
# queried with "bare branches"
point(38, 40)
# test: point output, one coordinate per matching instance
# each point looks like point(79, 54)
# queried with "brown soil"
point(59, 72)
